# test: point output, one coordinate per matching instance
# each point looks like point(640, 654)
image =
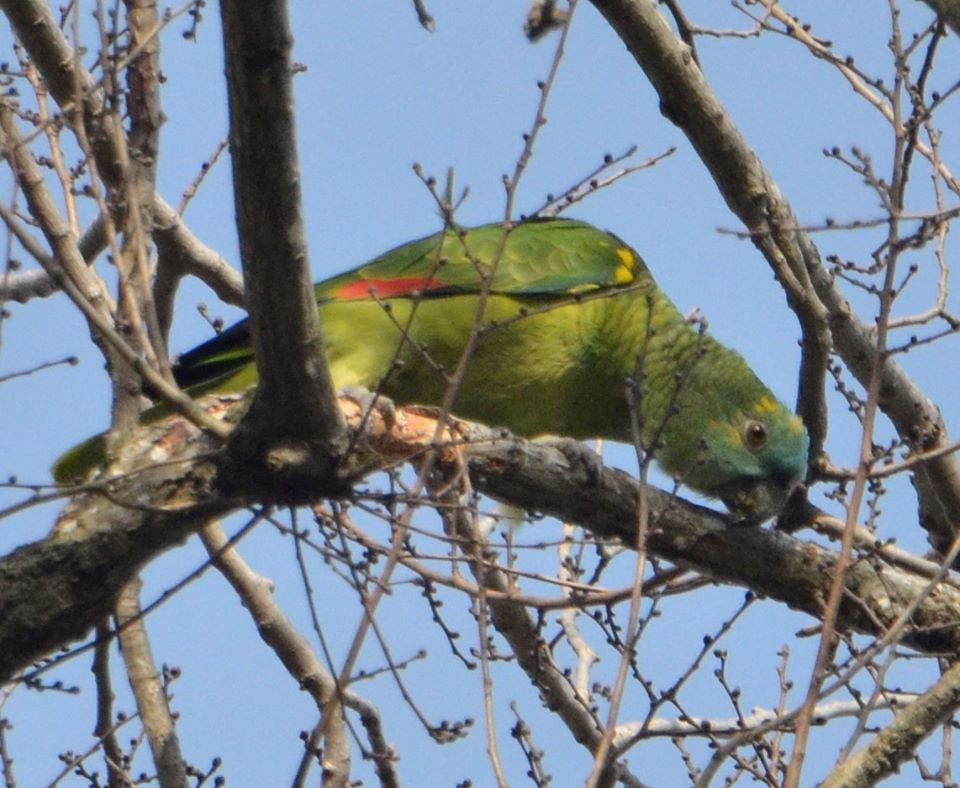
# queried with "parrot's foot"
point(578, 454)
point(370, 401)
point(797, 512)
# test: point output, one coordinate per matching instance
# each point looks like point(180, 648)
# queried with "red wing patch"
point(387, 288)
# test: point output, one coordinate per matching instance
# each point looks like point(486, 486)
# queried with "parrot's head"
point(752, 459)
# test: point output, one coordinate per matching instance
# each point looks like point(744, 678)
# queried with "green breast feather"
point(572, 314)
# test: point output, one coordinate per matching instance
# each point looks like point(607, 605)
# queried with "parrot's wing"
point(545, 258)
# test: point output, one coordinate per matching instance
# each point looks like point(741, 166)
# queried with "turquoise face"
point(766, 466)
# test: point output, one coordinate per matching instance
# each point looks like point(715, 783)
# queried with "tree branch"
point(511, 617)
point(701, 727)
point(295, 400)
point(181, 251)
point(148, 690)
point(34, 25)
point(69, 269)
point(71, 86)
point(55, 590)
point(23, 286)
point(163, 487)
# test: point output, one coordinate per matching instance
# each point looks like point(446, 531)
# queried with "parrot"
point(573, 339)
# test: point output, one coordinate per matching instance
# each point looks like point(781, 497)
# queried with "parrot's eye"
point(755, 435)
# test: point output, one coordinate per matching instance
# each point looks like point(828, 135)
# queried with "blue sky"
point(378, 94)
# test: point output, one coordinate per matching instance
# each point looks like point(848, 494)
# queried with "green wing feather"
point(545, 258)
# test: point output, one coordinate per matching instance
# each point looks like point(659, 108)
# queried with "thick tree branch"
point(687, 100)
point(790, 570)
point(55, 590)
point(295, 400)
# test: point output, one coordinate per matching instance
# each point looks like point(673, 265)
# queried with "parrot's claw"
point(578, 454)
point(370, 401)
point(797, 512)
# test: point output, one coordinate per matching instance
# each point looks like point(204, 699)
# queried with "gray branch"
point(26, 285)
point(178, 246)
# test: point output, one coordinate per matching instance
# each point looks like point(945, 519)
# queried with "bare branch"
point(180, 251)
point(148, 689)
point(69, 269)
point(423, 16)
point(511, 618)
point(34, 25)
point(104, 729)
point(26, 285)
point(696, 727)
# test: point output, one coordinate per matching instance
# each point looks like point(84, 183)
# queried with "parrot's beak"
point(754, 500)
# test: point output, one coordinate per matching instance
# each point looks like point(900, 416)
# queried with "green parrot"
point(573, 317)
